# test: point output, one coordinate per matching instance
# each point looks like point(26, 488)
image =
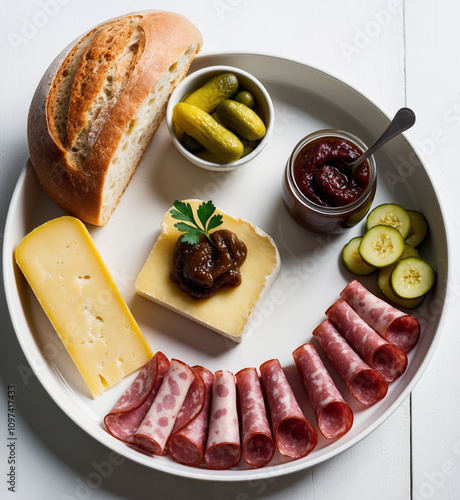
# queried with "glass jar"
point(327, 219)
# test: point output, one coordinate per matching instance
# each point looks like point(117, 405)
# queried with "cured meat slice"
point(193, 402)
point(365, 384)
point(295, 437)
point(395, 326)
point(389, 359)
point(129, 411)
point(223, 449)
point(333, 415)
point(187, 442)
point(258, 444)
point(157, 425)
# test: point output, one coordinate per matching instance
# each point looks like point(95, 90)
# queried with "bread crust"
point(78, 188)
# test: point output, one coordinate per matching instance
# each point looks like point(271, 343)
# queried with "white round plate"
point(311, 278)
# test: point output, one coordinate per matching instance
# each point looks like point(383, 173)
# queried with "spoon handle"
point(403, 120)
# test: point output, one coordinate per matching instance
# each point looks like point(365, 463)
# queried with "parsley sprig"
point(192, 231)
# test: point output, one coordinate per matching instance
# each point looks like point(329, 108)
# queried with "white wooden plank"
point(432, 89)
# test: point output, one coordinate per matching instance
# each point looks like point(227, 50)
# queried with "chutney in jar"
point(323, 174)
point(320, 191)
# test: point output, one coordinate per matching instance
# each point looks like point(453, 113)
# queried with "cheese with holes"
point(82, 301)
point(229, 311)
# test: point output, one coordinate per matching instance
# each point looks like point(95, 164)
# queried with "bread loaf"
point(99, 104)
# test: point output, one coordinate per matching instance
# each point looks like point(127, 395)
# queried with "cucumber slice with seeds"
point(383, 282)
point(352, 259)
point(390, 214)
point(411, 278)
point(419, 228)
point(381, 246)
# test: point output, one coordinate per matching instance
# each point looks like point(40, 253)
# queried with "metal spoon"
point(403, 120)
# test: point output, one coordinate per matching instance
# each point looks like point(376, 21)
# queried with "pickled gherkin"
point(241, 120)
point(199, 124)
point(245, 97)
point(213, 92)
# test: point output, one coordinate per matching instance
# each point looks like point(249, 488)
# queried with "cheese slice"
point(82, 301)
point(229, 311)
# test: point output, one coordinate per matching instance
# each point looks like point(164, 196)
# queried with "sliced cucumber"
point(381, 246)
point(409, 251)
point(419, 228)
point(411, 278)
point(383, 282)
point(390, 214)
point(352, 259)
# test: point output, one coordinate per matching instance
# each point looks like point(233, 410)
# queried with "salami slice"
point(223, 449)
point(129, 411)
point(365, 384)
point(393, 325)
point(187, 442)
point(156, 427)
point(295, 437)
point(258, 444)
point(333, 415)
point(390, 360)
point(193, 403)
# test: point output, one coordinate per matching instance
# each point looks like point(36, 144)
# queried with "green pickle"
point(248, 148)
point(208, 156)
point(191, 144)
point(213, 92)
point(187, 95)
point(241, 120)
point(245, 97)
point(199, 124)
point(214, 115)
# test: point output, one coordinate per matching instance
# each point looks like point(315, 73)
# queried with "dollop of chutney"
point(202, 269)
point(323, 175)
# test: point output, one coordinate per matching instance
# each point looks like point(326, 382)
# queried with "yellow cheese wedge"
point(82, 301)
point(228, 312)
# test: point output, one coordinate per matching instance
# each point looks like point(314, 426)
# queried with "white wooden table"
point(396, 52)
